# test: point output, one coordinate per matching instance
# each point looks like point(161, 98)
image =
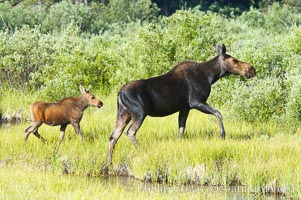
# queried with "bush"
point(23, 54)
point(253, 18)
point(295, 41)
point(91, 19)
point(125, 11)
point(258, 100)
point(278, 18)
point(78, 61)
point(293, 105)
point(185, 35)
point(61, 14)
point(14, 18)
point(281, 18)
point(62, 77)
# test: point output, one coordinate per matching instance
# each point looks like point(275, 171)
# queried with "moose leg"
point(36, 133)
point(131, 133)
point(205, 108)
point(76, 127)
point(123, 119)
point(32, 128)
point(62, 135)
point(183, 114)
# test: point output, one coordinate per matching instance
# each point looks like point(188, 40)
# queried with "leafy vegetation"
point(52, 59)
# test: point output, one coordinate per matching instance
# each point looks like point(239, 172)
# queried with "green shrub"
point(281, 18)
point(295, 41)
point(293, 105)
point(91, 18)
point(277, 19)
point(191, 34)
point(23, 54)
point(62, 77)
point(158, 47)
point(61, 14)
point(258, 100)
point(78, 61)
point(14, 17)
point(253, 18)
point(186, 35)
point(124, 11)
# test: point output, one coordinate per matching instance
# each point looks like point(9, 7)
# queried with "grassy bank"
point(264, 155)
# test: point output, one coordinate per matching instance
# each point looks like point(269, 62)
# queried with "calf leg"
point(123, 118)
point(183, 114)
point(203, 107)
point(131, 133)
point(62, 135)
point(76, 127)
point(36, 133)
point(33, 128)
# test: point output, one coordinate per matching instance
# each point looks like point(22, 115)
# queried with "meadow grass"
point(264, 155)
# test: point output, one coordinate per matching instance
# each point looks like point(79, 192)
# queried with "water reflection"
point(228, 192)
point(4, 123)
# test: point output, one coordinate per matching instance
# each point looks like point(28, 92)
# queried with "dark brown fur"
point(66, 111)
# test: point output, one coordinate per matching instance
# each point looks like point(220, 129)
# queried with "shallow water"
point(10, 123)
point(221, 192)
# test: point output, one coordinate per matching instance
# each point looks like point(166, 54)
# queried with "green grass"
point(254, 155)
point(13, 102)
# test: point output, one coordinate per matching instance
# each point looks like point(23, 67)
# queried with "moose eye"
point(93, 97)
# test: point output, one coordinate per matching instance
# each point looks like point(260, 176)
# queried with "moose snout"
point(100, 104)
point(251, 72)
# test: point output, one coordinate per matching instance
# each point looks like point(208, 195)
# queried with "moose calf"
point(66, 111)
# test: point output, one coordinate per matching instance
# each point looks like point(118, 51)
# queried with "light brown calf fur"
point(66, 111)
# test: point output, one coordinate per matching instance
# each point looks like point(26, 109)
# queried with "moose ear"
point(89, 88)
point(82, 89)
point(221, 49)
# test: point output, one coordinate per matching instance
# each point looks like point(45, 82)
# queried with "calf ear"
point(89, 88)
point(221, 49)
point(82, 89)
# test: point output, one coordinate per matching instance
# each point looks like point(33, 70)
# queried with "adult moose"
point(187, 86)
point(66, 111)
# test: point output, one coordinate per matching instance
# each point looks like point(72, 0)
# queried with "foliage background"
point(48, 48)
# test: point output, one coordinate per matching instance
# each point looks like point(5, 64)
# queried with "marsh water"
point(173, 190)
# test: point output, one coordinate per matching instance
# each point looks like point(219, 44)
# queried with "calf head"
point(234, 66)
point(89, 98)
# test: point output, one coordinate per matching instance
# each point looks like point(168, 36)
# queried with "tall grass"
point(261, 154)
point(14, 102)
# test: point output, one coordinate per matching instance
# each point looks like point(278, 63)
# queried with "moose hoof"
point(105, 169)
